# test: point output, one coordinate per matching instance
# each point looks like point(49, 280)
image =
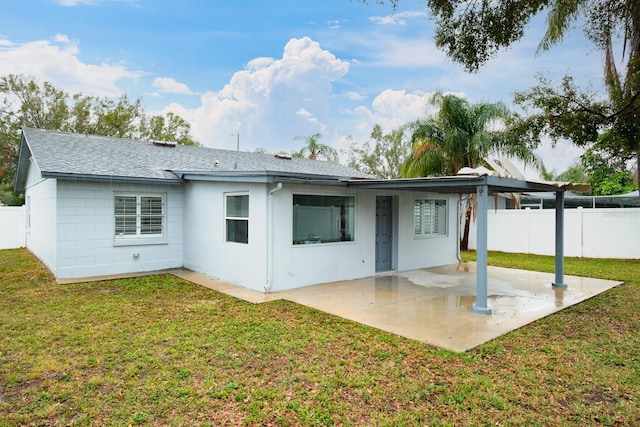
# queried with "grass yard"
point(161, 351)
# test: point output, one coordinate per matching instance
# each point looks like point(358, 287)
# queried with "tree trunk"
point(464, 241)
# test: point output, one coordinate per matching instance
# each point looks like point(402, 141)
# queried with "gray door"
point(383, 233)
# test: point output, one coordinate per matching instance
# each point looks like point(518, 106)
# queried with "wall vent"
point(170, 144)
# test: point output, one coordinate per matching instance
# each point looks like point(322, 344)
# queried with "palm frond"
point(561, 14)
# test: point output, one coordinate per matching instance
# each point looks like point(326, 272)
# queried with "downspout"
point(267, 286)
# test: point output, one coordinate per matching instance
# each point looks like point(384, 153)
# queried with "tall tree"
point(383, 155)
point(461, 135)
point(26, 103)
point(315, 150)
point(471, 33)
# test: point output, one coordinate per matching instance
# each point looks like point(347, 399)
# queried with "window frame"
point(433, 201)
point(228, 217)
point(351, 228)
point(140, 237)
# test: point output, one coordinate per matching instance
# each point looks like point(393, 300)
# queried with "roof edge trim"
point(87, 177)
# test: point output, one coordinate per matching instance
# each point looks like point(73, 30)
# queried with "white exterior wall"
point(423, 252)
point(12, 227)
point(40, 203)
point(302, 265)
point(206, 250)
point(85, 231)
point(591, 233)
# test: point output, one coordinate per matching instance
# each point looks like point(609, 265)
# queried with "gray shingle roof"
point(91, 156)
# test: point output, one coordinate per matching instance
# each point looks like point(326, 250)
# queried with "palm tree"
point(314, 150)
point(460, 135)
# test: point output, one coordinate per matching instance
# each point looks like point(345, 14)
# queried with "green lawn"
point(161, 351)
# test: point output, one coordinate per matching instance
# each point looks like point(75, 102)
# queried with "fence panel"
point(590, 233)
point(12, 227)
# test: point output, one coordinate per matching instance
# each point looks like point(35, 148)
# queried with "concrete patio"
point(432, 305)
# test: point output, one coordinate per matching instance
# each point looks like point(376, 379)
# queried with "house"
point(103, 206)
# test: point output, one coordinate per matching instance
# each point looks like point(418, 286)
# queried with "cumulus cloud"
point(271, 101)
point(169, 85)
point(391, 109)
point(56, 61)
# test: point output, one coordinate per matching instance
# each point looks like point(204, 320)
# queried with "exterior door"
point(384, 228)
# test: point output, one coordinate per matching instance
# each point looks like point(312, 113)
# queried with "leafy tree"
point(609, 127)
point(576, 173)
point(382, 156)
point(25, 102)
point(607, 164)
point(460, 135)
point(315, 150)
point(166, 128)
point(471, 33)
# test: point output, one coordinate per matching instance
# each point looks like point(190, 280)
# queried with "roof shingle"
point(60, 153)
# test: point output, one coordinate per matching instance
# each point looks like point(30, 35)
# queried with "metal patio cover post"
point(481, 305)
point(559, 282)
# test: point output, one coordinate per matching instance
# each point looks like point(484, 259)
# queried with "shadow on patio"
point(433, 305)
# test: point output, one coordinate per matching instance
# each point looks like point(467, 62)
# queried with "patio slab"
point(433, 305)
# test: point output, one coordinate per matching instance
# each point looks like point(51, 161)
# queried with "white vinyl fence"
point(12, 227)
point(588, 233)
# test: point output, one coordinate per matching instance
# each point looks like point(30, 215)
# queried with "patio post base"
point(481, 310)
point(559, 285)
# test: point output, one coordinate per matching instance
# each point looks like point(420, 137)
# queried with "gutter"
point(87, 177)
point(269, 284)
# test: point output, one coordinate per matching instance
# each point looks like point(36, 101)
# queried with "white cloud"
point(57, 61)
point(91, 2)
point(169, 85)
point(334, 24)
point(271, 101)
point(408, 53)
point(391, 109)
point(383, 49)
point(302, 112)
point(400, 18)
point(355, 96)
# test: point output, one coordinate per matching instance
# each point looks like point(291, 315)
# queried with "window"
point(323, 219)
point(430, 217)
point(139, 216)
point(237, 218)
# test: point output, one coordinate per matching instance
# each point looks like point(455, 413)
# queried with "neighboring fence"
point(588, 233)
point(12, 227)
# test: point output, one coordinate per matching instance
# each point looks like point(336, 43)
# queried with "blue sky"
point(271, 71)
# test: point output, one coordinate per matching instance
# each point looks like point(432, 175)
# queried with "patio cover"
point(483, 186)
